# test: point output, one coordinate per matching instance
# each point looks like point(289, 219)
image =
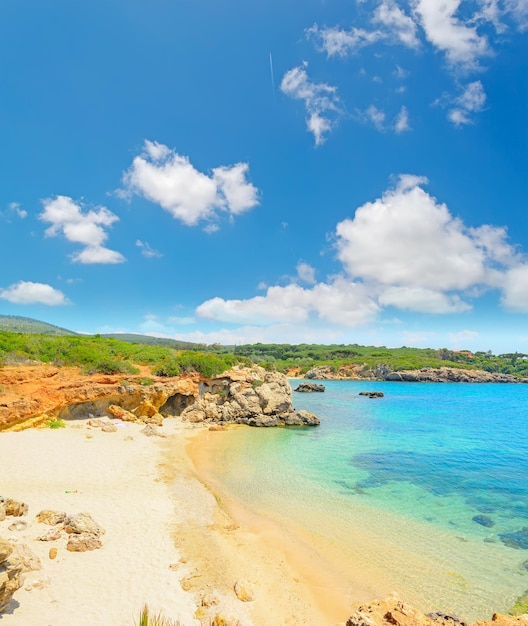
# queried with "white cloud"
point(515, 289)
point(338, 42)
point(423, 300)
point(462, 338)
point(375, 116)
point(13, 209)
point(85, 227)
point(407, 239)
point(168, 179)
point(147, 251)
point(401, 123)
point(306, 273)
point(471, 100)
point(321, 101)
point(33, 293)
point(397, 23)
point(404, 250)
point(461, 43)
point(340, 301)
point(519, 11)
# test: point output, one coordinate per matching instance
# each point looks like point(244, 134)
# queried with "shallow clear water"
point(426, 489)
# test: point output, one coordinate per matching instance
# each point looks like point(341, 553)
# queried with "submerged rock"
point(517, 539)
point(372, 394)
point(483, 520)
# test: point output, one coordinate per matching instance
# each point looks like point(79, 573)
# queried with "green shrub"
point(257, 383)
point(56, 423)
point(145, 380)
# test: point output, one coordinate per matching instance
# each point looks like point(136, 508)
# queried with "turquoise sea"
point(423, 492)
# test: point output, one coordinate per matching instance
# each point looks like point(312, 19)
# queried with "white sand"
point(115, 477)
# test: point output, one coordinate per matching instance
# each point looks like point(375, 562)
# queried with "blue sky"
point(320, 171)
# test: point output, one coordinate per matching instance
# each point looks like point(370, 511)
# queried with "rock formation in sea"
point(310, 387)
point(32, 395)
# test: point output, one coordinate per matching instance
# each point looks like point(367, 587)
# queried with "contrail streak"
point(272, 77)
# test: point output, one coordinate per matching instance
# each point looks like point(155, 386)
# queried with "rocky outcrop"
point(250, 396)
point(427, 374)
point(11, 578)
point(452, 375)
point(392, 612)
point(372, 394)
point(310, 388)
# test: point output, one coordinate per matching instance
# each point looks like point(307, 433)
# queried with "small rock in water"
point(372, 394)
point(483, 520)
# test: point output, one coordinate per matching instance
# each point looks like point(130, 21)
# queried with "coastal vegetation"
point(22, 342)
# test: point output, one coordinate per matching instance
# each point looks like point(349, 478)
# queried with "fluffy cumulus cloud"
point(340, 301)
point(470, 101)
point(405, 250)
point(459, 40)
point(85, 227)
point(168, 179)
point(320, 100)
point(406, 238)
point(25, 292)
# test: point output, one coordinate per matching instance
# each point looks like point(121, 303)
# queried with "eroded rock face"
point(250, 396)
point(35, 393)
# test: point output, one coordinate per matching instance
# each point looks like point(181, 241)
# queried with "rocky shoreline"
point(427, 374)
point(35, 395)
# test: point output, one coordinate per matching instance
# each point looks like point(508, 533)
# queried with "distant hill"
point(156, 341)
point(19, 324)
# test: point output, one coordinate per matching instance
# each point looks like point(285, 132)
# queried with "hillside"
point(155, 341)
point(19, 324)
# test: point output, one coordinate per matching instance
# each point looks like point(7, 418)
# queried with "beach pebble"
point(52, 553)
point(245, 591)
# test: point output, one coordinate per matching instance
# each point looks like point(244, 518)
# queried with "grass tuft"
point(146, 619)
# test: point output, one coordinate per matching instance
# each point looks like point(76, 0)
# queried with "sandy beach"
point(167, 542)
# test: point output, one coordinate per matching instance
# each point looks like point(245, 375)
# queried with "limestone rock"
point(310, 387)
point(3, 513)
point(250, 396)
point(222, 620)
point(29, 561)
point(82, 523)
point(11, 576)
point(52, 554)
point(14, 508)
point(50, 517)
point(121, 413)
point(83, 542)
point(245, 591)
point(108, 427)
point(51, 535)
point(152, 431)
